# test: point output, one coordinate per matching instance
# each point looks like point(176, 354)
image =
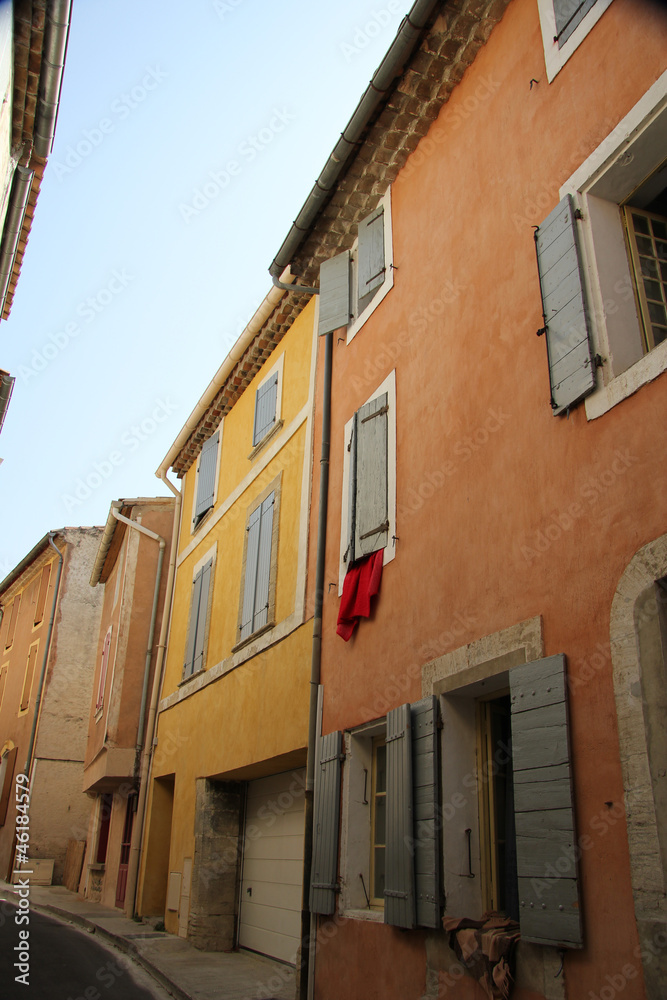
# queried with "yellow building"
point(222, 854)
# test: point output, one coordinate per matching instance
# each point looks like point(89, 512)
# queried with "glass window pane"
point(645, 245)
point(659, 334)
point(657, 313)
point(653, 290)
point(380, 814)
point(661, 249)
point(381, 773)
point(649, 267)
point(378, 879)
point(659, 229)
point(640, 222)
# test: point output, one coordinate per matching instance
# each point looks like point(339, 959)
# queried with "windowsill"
point(96, 866)
point(628, 382)
point(372, 916)
point(187, 679)
point(254, 636)
point(202, 520)
point(277, 427)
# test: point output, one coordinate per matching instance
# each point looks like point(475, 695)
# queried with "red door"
point(121, 882)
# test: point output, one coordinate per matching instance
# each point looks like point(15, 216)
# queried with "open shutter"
point(371, 514)
point(546, 842)
point(202, 614)
point(352, 492)
point(334, 293)
point(250, 583)
point(370, 255)
point(569, 15)
point(261, 607)
point(265, 408)
point(326, 812)
point(208, 463)
point(571, 365)
point(399, 893)
point(424, 719)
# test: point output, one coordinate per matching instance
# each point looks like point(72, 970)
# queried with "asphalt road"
point(64, 963)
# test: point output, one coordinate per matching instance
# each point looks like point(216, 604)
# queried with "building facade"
point(493, 642)
point(131, 569)
point(50, 622)
point(223, 849)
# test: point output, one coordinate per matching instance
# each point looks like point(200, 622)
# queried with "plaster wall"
point(504, 512)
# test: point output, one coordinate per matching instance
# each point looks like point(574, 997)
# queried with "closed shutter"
point(103, 669)
point(571, 365)
point(194, 649)
point(265, 408)
point(370, 256)
point(208, 463)
point(257, 568)
point(569, 14)
point(326, 813)
point(7, 781)
point(399, 893)
point(371, 507)
point(546, 842)
point(334, 293)
point(425, 776)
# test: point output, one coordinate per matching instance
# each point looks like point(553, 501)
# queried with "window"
point(368, 509)
point(378, 820)
point(257, 608)
point(565, 24)
point(104, 820)
point(29, 677)
point(353, 283)
point(3, 681)
point(104, 664)
point(199, 616)
point(207, 478)
point(267, 421)
point(13, 615)
point(43, 591)
point(604, 313)
point(391, 855)
point(496, 807)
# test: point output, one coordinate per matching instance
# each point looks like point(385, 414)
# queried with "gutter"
point(151, 725)
point(6, 388)
point(25, 562)
point(256, 323)
point(18, 202)
point(391, 66)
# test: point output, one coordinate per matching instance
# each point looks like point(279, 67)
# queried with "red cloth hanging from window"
point(362, 581)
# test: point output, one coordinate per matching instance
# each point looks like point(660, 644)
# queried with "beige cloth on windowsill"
point(486, 949)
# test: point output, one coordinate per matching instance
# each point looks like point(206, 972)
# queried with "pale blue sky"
point(142, 268)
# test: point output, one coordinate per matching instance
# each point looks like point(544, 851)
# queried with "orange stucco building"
point(131, 570)
point(502, 745)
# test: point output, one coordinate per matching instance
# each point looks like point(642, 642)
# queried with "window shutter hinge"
point(542, 330)
point(382, 527)
point(396, 736)
point(383, 409)
point(599, 361)
point(395, 894)
point(333, 886)
point(578, 215)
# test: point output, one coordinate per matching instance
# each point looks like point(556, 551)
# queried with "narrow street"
point(65, 963)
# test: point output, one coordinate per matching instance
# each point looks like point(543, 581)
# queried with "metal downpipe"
point(307, 942)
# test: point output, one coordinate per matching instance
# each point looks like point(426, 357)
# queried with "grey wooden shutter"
point(370, 255)
point(425, 778)
point(352, 492)
point(326, 812)
point(371, 508)
point(265, 408)
point(208, 463)
point(334, 293)
point(571, 365)
point(194, 647)
point(257, 568)
point(569, 15)
point(399, 893)
point(202, 615)
point(546, 841)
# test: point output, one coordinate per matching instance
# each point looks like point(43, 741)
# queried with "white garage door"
point(270, 919)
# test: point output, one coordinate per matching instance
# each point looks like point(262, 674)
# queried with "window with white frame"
point(565, 24)
point(260, 553)
point(605, 313)
point(353, 283)
point(368, 509)
point(207, 478)
point(198, 623)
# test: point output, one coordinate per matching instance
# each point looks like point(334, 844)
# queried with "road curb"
point(128, 947)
